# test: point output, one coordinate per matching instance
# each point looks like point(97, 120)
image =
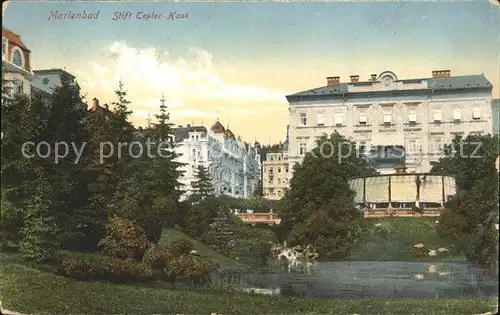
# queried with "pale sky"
point(239, 60)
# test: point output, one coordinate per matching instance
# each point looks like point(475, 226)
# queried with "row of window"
point(271, 169)
point(271, 192)
point(387, 117)
point(279, 181)
point(413, 146)
point(273, 157)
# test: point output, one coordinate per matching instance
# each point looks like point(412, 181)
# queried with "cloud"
point(190, 81)
point(154, 104)
point(236, 110)
point(192, 113)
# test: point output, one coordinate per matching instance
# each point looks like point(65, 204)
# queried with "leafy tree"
point(469, 217)
point(319, 208)
point(202, 186)
point(468, 159)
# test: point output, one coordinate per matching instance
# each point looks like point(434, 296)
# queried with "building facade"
point(495, 109)
point(275, 175)
point(233, 165)
point(392, 121)
point(45, 81)
point(16, 66)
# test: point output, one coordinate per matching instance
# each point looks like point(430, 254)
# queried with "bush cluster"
point(105, 268)
point(172, 263)
point(124, 240)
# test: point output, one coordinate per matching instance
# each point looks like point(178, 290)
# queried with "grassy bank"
point(27, 290)
point(394, 238)
point(203, 249)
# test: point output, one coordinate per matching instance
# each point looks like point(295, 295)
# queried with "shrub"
point(157, 259)
point(179, 247)
point(10, 224)
point(189, 268)
point(106, 269)
point(124, 239)
point(253, 251)
point(173, 263)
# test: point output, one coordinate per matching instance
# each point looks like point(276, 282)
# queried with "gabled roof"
point(14, 38)
point(218, 128)
point(433, 84)
point(228, 133)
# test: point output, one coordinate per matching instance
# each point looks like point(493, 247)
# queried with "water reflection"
point(356, 280)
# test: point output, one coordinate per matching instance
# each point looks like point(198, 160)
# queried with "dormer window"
point(17, 58)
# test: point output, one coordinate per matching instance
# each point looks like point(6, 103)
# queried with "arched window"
point(16, 58)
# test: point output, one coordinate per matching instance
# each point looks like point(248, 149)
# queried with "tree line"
point(48, 206)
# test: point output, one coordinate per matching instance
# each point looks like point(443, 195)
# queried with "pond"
point(375, 279)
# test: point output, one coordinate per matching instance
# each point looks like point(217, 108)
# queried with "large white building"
point(233, 165)
point(385, 114)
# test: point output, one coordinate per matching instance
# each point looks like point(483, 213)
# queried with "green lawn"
point(26, 290)
point(203, 249)
point(397, 243)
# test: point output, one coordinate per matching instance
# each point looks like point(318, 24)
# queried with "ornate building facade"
point(392, 121)
point(233, 165)
point(16, 66)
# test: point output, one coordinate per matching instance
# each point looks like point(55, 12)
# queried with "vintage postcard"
point(269, 157)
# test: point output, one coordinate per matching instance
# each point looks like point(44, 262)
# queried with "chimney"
point(373, 77)
point(354, 78)
point(441, 74)
point(332, 80)
point(95, 104)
